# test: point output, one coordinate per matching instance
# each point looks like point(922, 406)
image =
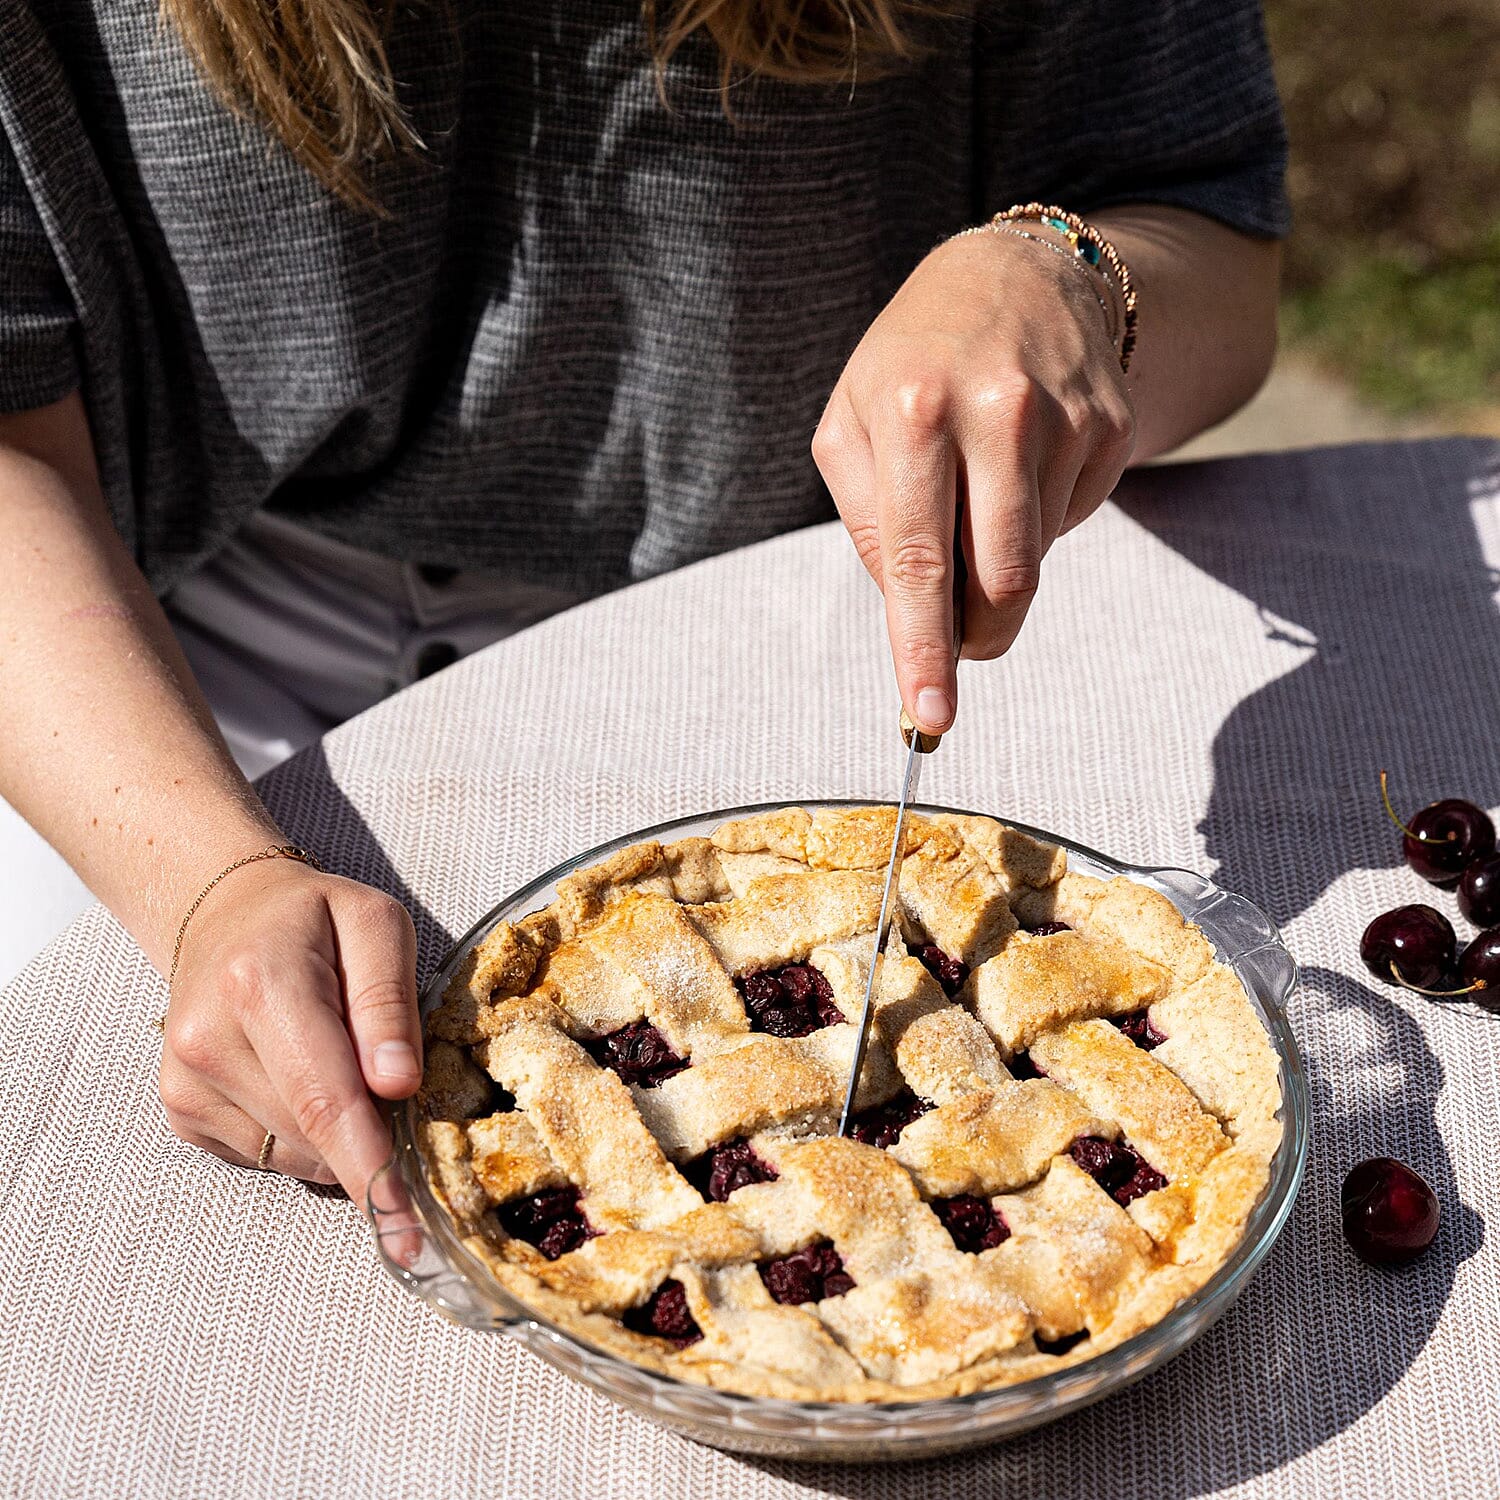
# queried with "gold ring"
point(263, 1160)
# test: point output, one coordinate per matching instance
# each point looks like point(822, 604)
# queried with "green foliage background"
point(1393, 268)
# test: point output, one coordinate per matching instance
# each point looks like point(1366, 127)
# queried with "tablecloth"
point(1214, 672)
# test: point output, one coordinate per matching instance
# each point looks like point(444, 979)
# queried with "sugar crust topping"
point(595, 1066)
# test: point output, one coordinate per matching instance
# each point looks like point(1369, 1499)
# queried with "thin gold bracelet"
point(276, 851)
point(1111, 322)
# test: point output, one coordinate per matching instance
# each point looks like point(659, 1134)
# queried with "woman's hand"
point(989, 379)
point(295, 999)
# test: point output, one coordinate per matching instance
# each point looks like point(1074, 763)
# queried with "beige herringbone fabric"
point(1213, 675)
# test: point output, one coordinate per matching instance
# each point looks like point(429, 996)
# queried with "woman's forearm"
point(106, 744)
point(1207, 318)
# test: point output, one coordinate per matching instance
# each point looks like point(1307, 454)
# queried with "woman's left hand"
point(989, 376)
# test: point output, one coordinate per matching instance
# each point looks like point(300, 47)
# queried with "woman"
point(304, 307)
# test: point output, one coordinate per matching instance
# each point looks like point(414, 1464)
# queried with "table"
point(1216, 669)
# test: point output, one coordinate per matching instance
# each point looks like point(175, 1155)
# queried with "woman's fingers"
point(377, 966)
point(294, 1002)
point(1112, 443)
point(203, 1116)
point(841, 450)
point(294, 1019)
point(1002, 438)
point(915, 472)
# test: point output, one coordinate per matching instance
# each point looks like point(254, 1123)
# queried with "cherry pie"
point(1067, 1112)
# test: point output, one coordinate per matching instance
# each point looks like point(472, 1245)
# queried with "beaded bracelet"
point(1092, 249)
point(1092, 277)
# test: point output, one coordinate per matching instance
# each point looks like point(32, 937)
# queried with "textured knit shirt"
point(593, 337)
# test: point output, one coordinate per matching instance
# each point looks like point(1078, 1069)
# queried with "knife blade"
point(915, 755)
point(918, 747)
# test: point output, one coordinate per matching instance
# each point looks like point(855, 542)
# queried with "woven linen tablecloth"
point(1214, 672)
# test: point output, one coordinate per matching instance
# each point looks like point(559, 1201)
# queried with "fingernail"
point(394, 1060)
point(933, 708)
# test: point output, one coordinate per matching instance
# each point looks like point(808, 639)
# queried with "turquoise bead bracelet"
point(1093, 250)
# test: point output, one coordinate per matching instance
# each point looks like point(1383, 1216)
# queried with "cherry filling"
point(639, 1053)
point(793, 1001)
point(725, 1168)
point(950, 973)
point(1046, 929)
point(882, 1124)
point(552, 1221)
point(806, 1275)
point(665, 1315)
point(1137, 1026)
point(1021, 1067)
point(1062, 1345)
point(1117, 1168)
point(973, 1223)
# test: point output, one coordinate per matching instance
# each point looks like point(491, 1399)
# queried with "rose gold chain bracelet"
point(276, 851)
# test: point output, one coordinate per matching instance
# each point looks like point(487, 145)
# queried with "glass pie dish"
point(422, 1249)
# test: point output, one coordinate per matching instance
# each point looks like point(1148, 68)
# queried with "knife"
point(918, 747)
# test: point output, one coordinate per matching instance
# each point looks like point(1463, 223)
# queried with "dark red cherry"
point(1390, 1214)
point(972, 1222)
point(551, 1220)
point(1444, 838)
point(1137, 1026)
point(1412, 945)
point(1479, 891)
point(1449, 835)
point(1117, 1167)
point(726, 1168)
point(1021, 1068)
point(665, 1315)
point(881, 1125)
point(639, 1053)
point(1479, 968)
point(792, 1001)
point(950, 973)
point(809, 1275)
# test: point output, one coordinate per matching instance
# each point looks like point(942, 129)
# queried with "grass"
point(1412, 339)
point(1393, 267)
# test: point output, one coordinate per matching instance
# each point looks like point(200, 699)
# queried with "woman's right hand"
point(295, 999)
point(295, 995)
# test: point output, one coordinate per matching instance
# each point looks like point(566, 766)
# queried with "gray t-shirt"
point(593, 338)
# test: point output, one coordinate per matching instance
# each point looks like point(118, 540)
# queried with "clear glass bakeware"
point(420, 1247)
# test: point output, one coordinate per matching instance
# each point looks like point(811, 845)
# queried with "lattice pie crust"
point(1068, 1111)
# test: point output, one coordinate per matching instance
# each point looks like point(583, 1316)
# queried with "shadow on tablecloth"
point(308, 803)
point(1314, 1343)
point(1369, 557)
point(1371, 560)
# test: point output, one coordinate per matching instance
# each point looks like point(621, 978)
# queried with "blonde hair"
point(316, 75)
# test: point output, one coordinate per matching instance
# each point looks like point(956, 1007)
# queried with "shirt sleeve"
point(1085, 103)
point(38, 358)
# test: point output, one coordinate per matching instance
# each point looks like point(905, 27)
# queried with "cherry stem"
point(1406, 984)
point(1421, 838)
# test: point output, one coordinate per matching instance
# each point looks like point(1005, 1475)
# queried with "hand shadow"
point(1377, 571)
point(1315, 1341)
point(310, 806)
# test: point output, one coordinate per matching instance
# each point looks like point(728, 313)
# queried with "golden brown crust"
point(668, 935)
